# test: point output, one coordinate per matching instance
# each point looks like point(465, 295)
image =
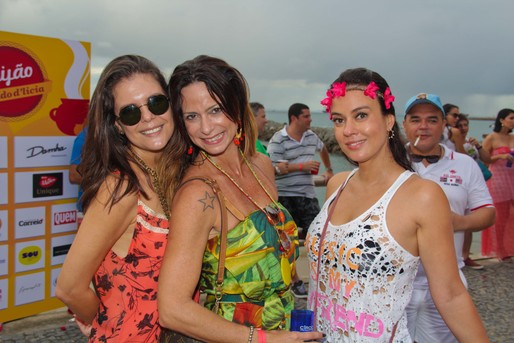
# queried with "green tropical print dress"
point(257, 273)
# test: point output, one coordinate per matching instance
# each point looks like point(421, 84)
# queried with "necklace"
point(273, 213)
point(156, 184)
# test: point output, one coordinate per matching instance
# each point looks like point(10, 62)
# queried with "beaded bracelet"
point(261, 336)
point(250, 336)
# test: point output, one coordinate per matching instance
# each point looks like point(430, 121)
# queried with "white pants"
point(424, 322)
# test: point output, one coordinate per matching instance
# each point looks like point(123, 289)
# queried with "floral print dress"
point(257, 273)
point(127, 287)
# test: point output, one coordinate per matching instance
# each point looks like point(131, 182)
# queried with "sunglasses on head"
point(131, 114)
point(429, 158)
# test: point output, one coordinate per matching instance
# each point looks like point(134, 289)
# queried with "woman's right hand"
point(291, 336)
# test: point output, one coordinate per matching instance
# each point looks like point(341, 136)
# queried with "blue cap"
point(424, 98)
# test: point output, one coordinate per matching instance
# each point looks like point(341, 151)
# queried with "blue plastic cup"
point(302, 320)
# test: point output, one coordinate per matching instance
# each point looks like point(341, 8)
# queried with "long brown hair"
point(106, 151)
point(227, 87)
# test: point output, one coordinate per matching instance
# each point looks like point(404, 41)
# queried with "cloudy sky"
point(291, 50)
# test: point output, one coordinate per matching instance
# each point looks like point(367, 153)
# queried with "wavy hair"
point(362, 77)
point(226, 85)
point(106, 151)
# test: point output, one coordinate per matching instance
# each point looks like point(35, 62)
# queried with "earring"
point(190, 150)
point(238, 138)
point(391, 134)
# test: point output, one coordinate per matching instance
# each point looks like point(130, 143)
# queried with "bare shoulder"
point(421, 195)
point(263, 162)
point(107, 189)
point(336, 181)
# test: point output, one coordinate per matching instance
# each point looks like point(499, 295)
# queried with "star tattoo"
point(208, 201)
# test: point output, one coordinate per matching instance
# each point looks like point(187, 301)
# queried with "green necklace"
point(273, 213)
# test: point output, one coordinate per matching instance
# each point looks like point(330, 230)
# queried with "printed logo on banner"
point(3, 189)
point(3, 293)
point(36, 151)
point(4, 224)
point(27, 184)
point(54, 274)
point(29, 255)
point(29, 222)
point(4, 259)
point(47, 185)
point(29, 288)
point(3, 152)
point(60, 247)
point(23, 82)
point(64, 218)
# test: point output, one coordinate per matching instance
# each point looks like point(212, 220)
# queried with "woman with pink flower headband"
point(378, 222)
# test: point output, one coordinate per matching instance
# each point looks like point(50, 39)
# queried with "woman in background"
point(474, 149)
point(498, 240)
point(121, 240)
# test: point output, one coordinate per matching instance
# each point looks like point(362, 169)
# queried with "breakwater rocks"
point(325, 134)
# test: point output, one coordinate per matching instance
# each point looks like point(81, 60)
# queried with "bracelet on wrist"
point(261, 336)
point(301, 166)
point(277, 170)
point(250, 336)
point(329, 169)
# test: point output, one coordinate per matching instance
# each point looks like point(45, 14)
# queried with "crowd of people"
point(192, 227)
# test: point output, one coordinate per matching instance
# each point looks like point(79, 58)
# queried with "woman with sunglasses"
point(377, 223)
point(122, 237)
point(212, 114)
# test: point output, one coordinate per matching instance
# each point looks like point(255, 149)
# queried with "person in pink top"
point(121, 241)
point(498, 240)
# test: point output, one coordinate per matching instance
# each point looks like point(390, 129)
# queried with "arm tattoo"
point(208, 201)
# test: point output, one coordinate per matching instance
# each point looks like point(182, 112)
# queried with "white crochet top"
point(365, 276)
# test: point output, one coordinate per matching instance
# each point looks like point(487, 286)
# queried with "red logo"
point(67, 217)
point(47, 181)
point(23, 84)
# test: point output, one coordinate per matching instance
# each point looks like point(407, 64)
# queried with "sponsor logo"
point(30, 222)
point(41, 150)
point(47, 185)
point(67, 217)
point(61, 250)
point(23, 83)
point(30, 288)
point(30, 255)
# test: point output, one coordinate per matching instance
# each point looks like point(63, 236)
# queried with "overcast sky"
point(291, 50)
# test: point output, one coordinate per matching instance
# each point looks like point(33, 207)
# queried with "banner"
point(44, 100)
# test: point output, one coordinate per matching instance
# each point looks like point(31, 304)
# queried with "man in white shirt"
point(461, 180)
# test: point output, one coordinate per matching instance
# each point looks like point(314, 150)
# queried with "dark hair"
point(447, 108)
point(227, 87)
point(501, 115)
point(295, 110)
point(461, 117)
point(106, 151)
point(363, 77)
point(256, 106)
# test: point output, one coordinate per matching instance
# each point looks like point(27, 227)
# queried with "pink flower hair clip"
point(388, 98)
point(372, 90)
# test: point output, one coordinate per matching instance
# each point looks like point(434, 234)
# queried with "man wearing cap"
point(461, 180)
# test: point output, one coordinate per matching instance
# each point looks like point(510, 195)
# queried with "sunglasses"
point(429, 158)
point(131, 114)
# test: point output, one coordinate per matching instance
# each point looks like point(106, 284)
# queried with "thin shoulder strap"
point(218, 292)
point(322, 239)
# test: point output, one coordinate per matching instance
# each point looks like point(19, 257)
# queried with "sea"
point(477, 128)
